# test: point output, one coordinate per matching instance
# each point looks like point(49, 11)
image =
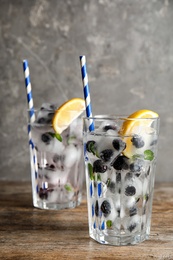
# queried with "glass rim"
point(118, 117)
point(35, 110)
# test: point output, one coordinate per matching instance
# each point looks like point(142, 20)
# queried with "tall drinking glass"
point(56, 161)
point(120, 160)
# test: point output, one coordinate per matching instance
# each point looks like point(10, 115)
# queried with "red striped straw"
point(86, 91)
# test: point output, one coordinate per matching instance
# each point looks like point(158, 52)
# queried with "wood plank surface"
point(30, 233)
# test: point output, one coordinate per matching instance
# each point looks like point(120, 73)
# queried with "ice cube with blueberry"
point(108, 148)
point(45, 114)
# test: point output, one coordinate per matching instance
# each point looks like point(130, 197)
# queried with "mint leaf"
point(98, 177)
point(92, 148)
point(109, 223)
point(58, 136)
point(137, 156)
point(52, 134)
point(108, 182)
point(97, 154)
point(68, 187)
point(148, 155)
point(90, 169)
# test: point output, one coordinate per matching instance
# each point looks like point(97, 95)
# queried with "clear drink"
point(120, 159)
point(56, 161)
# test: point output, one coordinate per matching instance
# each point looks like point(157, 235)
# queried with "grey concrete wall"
point(129, 49)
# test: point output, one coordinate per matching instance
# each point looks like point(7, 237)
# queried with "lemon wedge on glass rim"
point(67, 113)
point(132, 126)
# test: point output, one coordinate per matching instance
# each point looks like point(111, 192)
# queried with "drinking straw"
point(31, 112)
point(28, 91)
point(86, 91)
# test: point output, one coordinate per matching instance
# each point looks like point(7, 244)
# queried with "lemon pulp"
point(67, 113)
point(137, 123)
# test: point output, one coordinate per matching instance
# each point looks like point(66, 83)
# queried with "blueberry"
point(129, 176)
point(99, 166)
point(106, 208)
point(97, 208)
point(130, 191)
point(106, 155)
point(56, 158)
point(53, 107)
point(46, 118)
point(132, 227)
point(132, 211)
point(109, 127)
point(137, 174)
point(137, 141)
point(43, 194)
point(46, 138)
point(52, 166)
point(154, 142)
point(50, 115)
point(39, 167)
point(118, 144)
point(118, 211)
point(118, 177)
point(120, 163)
point(42, 120)
point(136, 166)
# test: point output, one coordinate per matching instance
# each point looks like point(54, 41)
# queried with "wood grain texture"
point(30, 233)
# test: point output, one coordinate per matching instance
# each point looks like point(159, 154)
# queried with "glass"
point(56, 162)
point(120, 159)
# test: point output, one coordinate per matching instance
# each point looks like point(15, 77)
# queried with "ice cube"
point(76, 129)
point(129, 201)
point(113, 212)
point(133, 187)
point(142, 139)
point(52, 196)
point(71, 156)
point(131, 224)
point(47, 142)
point(108, 125)
point(58, 147)
point(45, 117)
point(61, 194)
point(48, 106)
point(109, 147)
point(56, 177)
point(59, 161)
point(45, 113)
point(106, 211)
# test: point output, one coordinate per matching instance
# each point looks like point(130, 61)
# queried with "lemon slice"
point(136, 125)
point(67, 113)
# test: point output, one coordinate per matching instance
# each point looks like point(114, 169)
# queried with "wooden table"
point(30, 233)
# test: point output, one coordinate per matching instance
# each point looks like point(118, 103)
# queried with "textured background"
point(129, 49)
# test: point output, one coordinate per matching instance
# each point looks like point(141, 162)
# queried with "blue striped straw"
point(86, 91)
point(31, 113)
point(28, 91)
